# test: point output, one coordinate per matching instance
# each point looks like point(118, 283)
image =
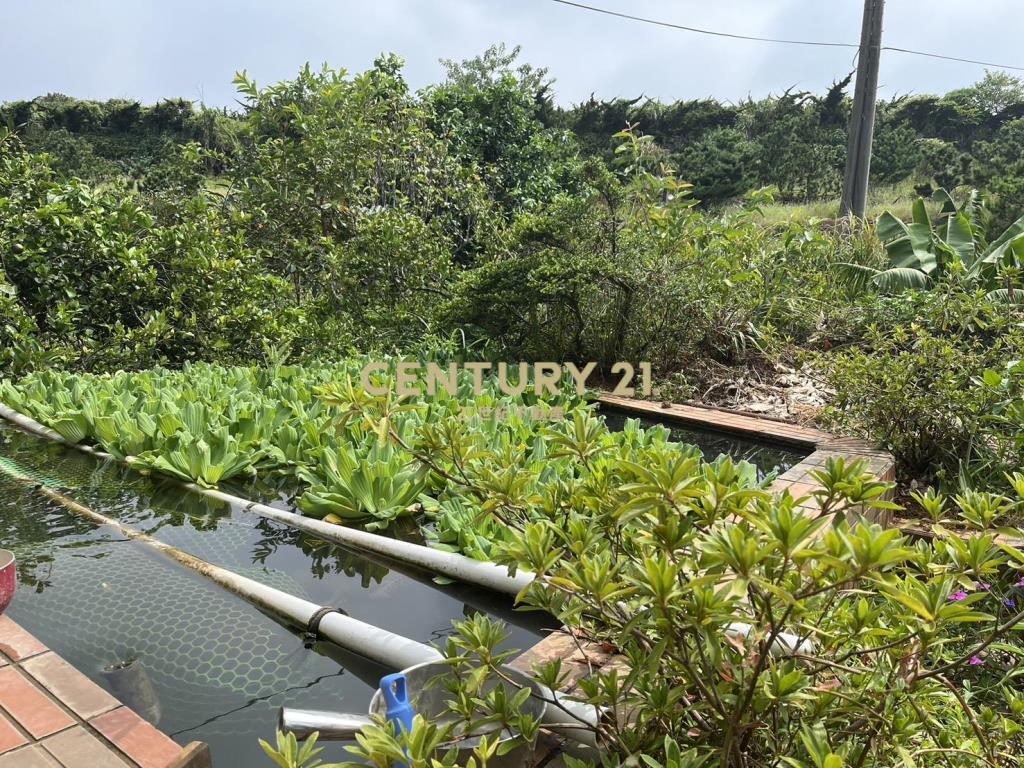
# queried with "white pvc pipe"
point(456, 566)
point(386, 648)
point(451, 564)
point(369, 641)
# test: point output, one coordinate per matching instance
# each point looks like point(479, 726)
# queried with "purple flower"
point(957, 596)
point(983, 586)
point(1019, 583)
point(1010, 603)
point(976, 660)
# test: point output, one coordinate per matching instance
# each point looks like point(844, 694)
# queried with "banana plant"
point(924, 250)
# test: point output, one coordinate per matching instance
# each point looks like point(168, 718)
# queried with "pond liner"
point(451, 564)
point(367, 640)
point(569, 718)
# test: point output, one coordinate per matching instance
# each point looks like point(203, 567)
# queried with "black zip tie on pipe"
point(312, 633)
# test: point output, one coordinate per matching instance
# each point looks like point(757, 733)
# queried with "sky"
point(154, 49)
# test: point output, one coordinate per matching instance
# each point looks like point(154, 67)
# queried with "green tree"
point(492, 116)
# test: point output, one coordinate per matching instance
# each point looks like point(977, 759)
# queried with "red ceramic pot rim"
point(6, 558)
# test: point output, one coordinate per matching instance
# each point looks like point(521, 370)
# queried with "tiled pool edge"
point(798, 479)
point(53, 716)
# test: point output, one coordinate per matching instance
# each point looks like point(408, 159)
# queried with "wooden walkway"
point(53, 716)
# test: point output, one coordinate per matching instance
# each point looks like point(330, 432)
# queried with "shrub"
point(916, 393)
point(105, 286)
point(751, 631)
point(18, 347)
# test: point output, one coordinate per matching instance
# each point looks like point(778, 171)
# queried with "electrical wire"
point(785, 41)
point(700, 31)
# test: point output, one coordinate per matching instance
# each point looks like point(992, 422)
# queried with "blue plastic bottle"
point(397, 707)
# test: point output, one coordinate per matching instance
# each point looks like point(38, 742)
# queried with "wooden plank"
point(721, 421)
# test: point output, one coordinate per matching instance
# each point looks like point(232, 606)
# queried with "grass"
point(895, 198)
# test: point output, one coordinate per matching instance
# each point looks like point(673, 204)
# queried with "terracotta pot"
point(8, 578)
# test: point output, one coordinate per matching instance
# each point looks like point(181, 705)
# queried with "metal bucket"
point(428, 695)
point(8, 578)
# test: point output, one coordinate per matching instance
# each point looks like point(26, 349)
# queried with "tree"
point(492, 116)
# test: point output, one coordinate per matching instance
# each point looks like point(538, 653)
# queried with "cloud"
point(191, 48)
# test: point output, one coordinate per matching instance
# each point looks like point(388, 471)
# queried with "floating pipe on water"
point(387, 648)
point(488, 575)
point(374, 643)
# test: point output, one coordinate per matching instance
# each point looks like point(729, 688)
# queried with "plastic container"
point(8, 578)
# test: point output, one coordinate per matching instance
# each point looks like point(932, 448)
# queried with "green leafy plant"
point(925, 251)
point(379, 485)
point(289, 754)
point(752, 628)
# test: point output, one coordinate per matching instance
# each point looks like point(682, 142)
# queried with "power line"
point(951, 58)
point(700, 31)
point(818, 43)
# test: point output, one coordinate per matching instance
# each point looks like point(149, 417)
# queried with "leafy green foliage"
point(363, 209)
point(924, 251)
point(809, 638)
point(922, 395)
point(288, 753)
point(106, 285)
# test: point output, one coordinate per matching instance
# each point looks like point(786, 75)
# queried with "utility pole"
point(862, 121)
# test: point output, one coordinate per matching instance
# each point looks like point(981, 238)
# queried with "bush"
point(632, 270)
point(750, 631)
point(18, 347)
point(104, 286)
point(918, 394)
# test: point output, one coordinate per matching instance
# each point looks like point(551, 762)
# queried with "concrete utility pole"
point(862, 121)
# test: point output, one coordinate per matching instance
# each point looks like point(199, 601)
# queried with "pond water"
point(767, 457)
point(209, 666)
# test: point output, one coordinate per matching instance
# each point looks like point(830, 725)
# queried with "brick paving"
point(53, 716)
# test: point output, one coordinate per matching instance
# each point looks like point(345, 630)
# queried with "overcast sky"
point(152, 49)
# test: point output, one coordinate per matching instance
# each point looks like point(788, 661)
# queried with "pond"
point(204, 664)
point(767, 457)
point(213, 668)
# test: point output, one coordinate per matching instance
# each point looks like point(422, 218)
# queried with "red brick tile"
point(29, 757)
point(73, 689)
point(796, 490)
point(10, 736)
point(15, 642)
point(136, 738)
point(77, 748)
point(31, 708)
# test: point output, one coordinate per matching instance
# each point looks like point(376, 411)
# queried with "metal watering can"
point(423, 698)
point(8, 578)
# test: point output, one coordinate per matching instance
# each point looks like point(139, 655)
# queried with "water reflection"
point(218, 668)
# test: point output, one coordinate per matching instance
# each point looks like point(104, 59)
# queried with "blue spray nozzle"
point(397, 707)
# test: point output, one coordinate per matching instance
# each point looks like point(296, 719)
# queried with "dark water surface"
point(767, 457)
point(213, 668)
point(208, 666)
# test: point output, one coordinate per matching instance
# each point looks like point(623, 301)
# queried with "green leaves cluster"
point(754, 628)
point(923, 252)
point(104, 284)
